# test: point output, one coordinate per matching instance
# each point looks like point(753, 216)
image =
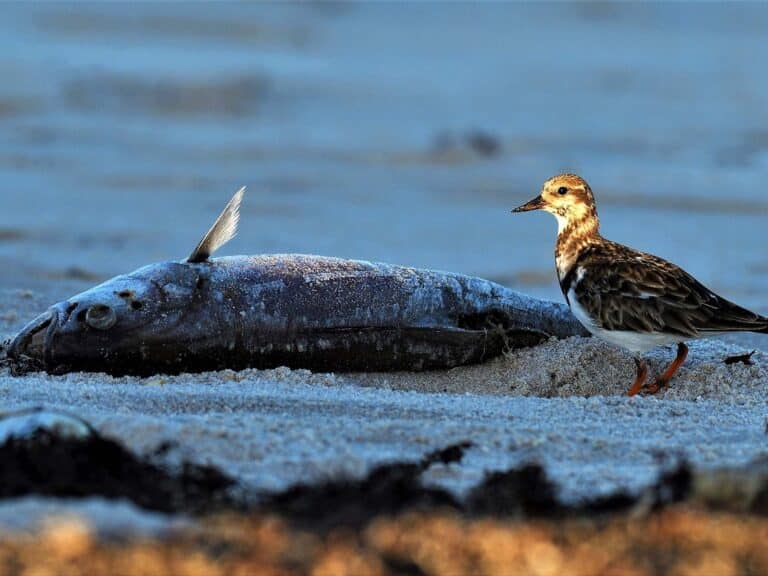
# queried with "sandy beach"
point(362, 133)
point(562, 404)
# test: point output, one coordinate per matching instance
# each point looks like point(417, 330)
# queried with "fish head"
point(112, 324)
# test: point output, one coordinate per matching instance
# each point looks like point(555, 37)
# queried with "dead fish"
point(300, 311)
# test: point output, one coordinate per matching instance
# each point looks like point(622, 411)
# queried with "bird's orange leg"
point(642, 373)
point(663, 380)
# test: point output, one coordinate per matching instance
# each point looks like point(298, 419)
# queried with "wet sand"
point(393, 134)
point(369, 133)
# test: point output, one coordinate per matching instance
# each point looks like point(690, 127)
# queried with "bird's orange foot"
point(656, 386)
point(642, 373)
point(663, 381)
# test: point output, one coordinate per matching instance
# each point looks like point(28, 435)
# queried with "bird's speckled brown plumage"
point(624, 289)
point(630, 298)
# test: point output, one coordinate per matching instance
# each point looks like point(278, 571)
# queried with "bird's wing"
point(623, 289)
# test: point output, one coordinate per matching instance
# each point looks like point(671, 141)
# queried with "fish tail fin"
point(222, 231)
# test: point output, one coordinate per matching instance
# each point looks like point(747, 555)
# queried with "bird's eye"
point(562, 190)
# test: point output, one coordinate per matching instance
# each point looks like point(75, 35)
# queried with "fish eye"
point(100, 317)
point(562, 190)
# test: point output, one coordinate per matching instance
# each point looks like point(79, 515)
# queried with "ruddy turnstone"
point(629, 298)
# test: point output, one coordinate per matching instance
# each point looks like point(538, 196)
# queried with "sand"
point(677, 541)
point(364, 158)
point(562, 404)
point(587, 367)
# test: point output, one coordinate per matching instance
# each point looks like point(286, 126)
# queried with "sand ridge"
point(588, 367)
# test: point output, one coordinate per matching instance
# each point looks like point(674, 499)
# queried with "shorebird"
point(629, 298)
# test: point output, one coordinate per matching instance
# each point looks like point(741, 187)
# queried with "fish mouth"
point(33, 345)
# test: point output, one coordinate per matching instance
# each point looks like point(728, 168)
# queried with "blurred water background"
point(394, 132)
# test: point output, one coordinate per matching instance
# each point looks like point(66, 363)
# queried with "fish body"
point(294, 310)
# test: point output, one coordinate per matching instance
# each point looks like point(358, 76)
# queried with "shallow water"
point(401, 133)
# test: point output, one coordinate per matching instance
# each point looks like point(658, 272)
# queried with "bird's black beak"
point(535, 204)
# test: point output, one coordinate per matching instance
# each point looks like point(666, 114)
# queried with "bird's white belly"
point(636, 342)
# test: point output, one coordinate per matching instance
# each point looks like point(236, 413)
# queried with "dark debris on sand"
point(741, 358)
point(387, 490)
point(518, 493)
point(47, 464)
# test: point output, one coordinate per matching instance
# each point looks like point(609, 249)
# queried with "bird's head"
point(567, 196)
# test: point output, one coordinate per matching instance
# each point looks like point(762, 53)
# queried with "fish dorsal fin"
point(222, 231)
